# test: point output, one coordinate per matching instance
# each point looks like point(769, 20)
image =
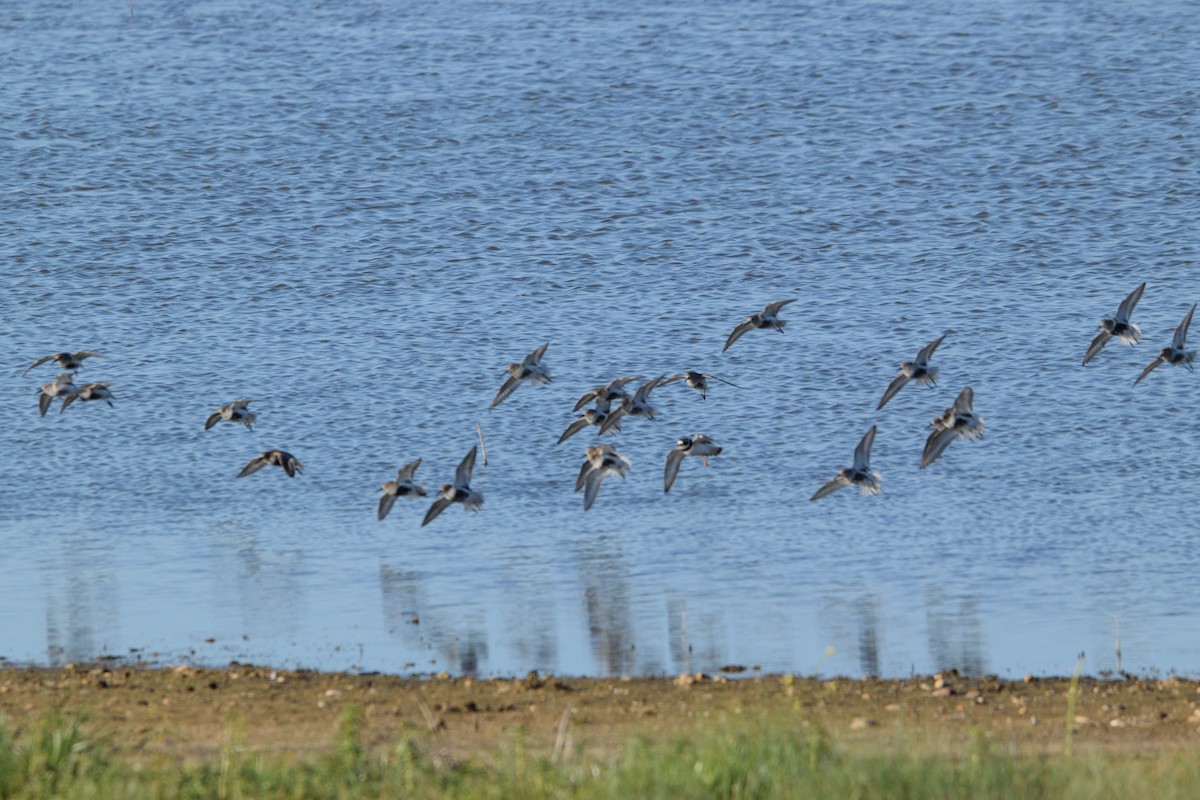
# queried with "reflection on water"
point(955, 633)
point(606, 604)
point(80, 601)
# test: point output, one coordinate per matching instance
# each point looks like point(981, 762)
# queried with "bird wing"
point(643, 392)
point(385, 504)
point(81, 354)
point(1179, 341)
point(965, 402)
point(572, 429)
point(1149, 368)
point(895, 386)
point(213, 419)
point(936, 444)
point(439, 505)
point(462, 475)
point(722, 380)
point(38, 363)
point(665, 381)
point(829, 488)
point(738, 333)
point(592, 487)
point(862, 453)
point(536, 355)
point(66, 402)
point(1125, 310)
point(927, 351)
point(407, 471)
point(1096, 346)
point(613, 420)
point(674, 459)
point(584, 471)
point(587, 398)
point(256, 463)
point(44, 403)
point(291, 466)
point(507, 388)
point(772, 309)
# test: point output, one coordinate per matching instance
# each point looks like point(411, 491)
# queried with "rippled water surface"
point(358, 212)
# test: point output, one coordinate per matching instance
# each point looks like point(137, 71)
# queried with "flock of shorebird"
point(611, 404)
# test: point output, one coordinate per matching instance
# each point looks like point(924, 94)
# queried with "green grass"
point(58, 760)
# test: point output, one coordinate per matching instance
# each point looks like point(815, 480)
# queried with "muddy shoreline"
point(190, 713)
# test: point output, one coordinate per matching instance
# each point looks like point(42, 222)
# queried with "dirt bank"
point(190, 713)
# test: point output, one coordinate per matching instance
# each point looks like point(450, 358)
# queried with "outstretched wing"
point(213, 419)
point(1096, 346)
point(256, 463)
point(44, 403)
point(895, 386)
point(936, 444)
point(462, 475)
point(439, 505)
point(1179, 341)
point(829, 488)
point(385, 504)
point(965, 402)
point(584, 471)
point(1125, 310)
point(613, 420)
point(587, 398)
point(643, 392)
point(66, 402)
point(572, 429)
point(674, 459)
point(773, 308)
point(407, 471)
point(536, 355)
point(722, 380)
point(592, 487)
point(927, 351)
point(862, 453)
point(1149, 368)
point(507, 388)
point(38, 363)
point(738, 333)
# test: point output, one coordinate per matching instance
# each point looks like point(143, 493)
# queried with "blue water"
point(358, 212)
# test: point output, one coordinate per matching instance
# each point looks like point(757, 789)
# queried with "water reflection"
point(433, 636)
point(955, 633)
point(78, 602)
point(603, 574)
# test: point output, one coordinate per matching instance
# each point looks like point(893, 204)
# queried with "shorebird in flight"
point(233, 412)
point(697, 445)
point(273, 458)
point(531, 369)
point(71, 362)
point(458, 492)
point(916, 370)
point(860, 475)
point(959, 421)
point(63, 387)
point(1177, 353)
point(1118, 326)
point(698, 381)
point(600, 462)
point(402, 486)
point(767, 319)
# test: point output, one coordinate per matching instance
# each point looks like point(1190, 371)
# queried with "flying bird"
point(273, 458)
point(1118, 326)
point(403, 486)
point(458, 492)
point(233, 412)
point(531, 369)
point(590, 416)
point(94, 391)
point(959, 421)
point(1176, 354)
point(636, 406)
point(68, 361)
point(916, 370)
point(859, 475)
point(600, 462)
point(698, 381)
point(63, 387)
point(611, 392)
point(767, 319)
point(695, 445)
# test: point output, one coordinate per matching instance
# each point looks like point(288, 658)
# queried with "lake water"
point(358, 212)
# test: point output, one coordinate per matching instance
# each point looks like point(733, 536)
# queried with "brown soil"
point(191, 713)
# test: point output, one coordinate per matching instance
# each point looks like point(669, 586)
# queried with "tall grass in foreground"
point(773, 761)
